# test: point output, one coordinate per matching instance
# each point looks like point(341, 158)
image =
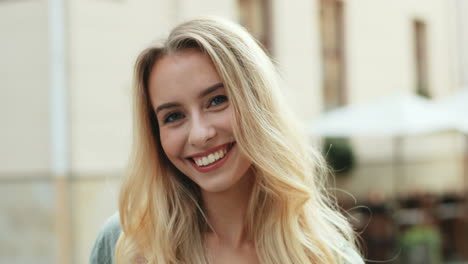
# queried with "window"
point(333, 53)
point(420, 55)
point(255, 15)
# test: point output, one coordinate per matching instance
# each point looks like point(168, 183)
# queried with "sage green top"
point(104, 248)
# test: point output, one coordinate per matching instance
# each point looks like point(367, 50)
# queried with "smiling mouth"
point(212, 158)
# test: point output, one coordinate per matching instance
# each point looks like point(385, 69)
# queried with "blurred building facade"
point(66, 135)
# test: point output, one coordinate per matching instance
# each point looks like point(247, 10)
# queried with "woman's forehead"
point(183, 72)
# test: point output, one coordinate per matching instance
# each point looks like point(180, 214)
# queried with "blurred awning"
point(396, 115)
point(457, 106)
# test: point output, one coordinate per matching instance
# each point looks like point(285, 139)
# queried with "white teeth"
point(211, 158)
point(207, 160)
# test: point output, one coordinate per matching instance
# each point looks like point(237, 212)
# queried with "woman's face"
point(195, 120)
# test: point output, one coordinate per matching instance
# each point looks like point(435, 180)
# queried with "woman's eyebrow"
point(165, 106)
point(210, 89)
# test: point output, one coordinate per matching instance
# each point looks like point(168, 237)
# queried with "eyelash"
point(223, 97)
point(170, 115)
point(211, 103)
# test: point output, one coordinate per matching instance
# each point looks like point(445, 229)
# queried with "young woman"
point(220, 172)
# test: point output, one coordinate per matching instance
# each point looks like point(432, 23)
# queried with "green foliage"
point(423, 91)
point(339, 155)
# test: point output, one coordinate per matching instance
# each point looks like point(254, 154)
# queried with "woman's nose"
point(201, 131)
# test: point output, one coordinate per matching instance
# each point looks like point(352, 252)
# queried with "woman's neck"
point(227, 211)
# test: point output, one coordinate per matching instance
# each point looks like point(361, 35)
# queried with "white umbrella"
point(457, 106)
point(397, 115)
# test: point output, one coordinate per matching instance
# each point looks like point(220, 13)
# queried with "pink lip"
point(216, 164)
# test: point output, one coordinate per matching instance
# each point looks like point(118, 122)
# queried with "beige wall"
point(461, 20)
point(186, 9)
point(24, 90)
point(380, 46)
point(297, 52)
point(27, 228)
point(104, 40)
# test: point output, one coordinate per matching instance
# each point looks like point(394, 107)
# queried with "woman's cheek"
point(171, 142)
point(165, 141)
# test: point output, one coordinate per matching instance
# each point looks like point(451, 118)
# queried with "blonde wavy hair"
point(291, 218)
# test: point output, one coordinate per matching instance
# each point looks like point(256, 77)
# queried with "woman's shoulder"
point(104, 248)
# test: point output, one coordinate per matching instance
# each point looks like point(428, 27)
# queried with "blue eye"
point(217, 100)
point(172, 117)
